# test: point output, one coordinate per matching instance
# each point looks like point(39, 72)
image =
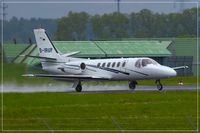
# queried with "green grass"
point(78, 111)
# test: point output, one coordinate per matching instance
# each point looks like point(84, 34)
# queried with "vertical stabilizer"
point(44, 44)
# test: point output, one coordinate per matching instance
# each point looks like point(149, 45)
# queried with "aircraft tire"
point(159, 85)
point(78, 88)
point(132, 85)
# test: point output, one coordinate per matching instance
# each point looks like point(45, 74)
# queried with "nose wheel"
point(132, 85)
point(159, 85)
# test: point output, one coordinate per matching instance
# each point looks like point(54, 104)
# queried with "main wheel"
point(159, 85)
point(132, 84)
point(78, 88)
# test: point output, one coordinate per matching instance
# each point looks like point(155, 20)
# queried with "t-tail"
point(44, 44)
point(46, 47)
point(47, 51)
point(48, 54)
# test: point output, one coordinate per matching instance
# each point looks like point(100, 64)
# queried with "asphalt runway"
point(92, 89)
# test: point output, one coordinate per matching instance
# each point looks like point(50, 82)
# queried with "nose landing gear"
point(159, 85)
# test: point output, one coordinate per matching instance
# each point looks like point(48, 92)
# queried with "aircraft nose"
point(171, 72)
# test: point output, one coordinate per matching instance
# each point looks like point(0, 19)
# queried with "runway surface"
point(91, 89)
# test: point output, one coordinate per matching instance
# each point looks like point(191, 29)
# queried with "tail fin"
point(44, 44)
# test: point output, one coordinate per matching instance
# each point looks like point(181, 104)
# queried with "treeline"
point(82, 26)
point(21, 30)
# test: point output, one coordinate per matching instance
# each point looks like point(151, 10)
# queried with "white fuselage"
point(114, 69)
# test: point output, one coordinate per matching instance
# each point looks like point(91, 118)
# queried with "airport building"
point(170, 52)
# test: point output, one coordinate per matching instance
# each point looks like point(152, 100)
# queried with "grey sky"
point(29, 9)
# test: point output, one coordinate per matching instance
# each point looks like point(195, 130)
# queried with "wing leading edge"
point(68, 77)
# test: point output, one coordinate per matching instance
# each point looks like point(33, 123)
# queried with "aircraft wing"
point(68, 77)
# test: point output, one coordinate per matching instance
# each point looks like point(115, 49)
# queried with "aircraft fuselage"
point(115, 69)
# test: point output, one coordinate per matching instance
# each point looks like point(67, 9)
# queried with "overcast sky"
point(53, 9)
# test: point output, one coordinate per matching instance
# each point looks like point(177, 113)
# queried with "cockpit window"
point(145, 62)
point(137, 63)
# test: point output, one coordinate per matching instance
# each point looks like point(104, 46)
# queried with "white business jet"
point(67, 68)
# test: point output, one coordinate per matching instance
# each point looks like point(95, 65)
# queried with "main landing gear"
point(77, 85)
point(159, 85)
point(132, 84)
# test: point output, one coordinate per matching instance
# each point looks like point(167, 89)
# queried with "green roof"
point(30, 50)
point(86, 48)
point(134, 48)
point(26, 52)
point(13, 50)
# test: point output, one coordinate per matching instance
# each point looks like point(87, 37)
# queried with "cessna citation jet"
point(67, 68)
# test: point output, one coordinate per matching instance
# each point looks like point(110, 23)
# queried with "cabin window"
point(108, 65)
point(124, 63)
point(118, 64)
point(103, 65)
point(113, 64)
point(98, 65)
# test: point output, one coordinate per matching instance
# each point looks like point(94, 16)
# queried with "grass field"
point(103, 111)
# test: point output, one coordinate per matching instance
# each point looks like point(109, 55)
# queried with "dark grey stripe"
point(63, 77)
point(109, 69)
point(72, 65)
point(51, 43)
point(51, 62)
point(62, 69)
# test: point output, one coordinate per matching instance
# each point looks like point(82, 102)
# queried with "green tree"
point(72, 27)
point(109, 26)
point(143, 23)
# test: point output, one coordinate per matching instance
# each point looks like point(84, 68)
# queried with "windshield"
point(137, 63)
point(144, 62)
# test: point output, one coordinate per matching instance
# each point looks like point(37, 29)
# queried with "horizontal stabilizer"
point(71, 54)
point(180, 67)
point(86, 77)
point(40, 57)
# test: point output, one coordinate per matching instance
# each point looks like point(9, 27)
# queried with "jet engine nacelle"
point(82, 66)
point(75, 68)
